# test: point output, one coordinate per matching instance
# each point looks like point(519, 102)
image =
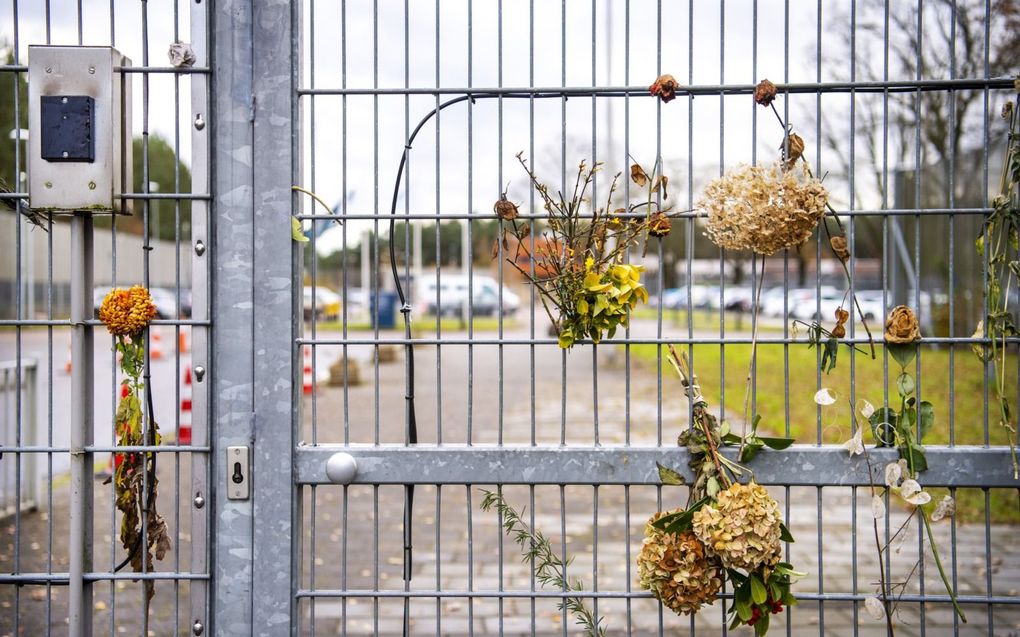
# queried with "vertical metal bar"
point(276, 501)
point(200, 495)
point(82, 386)
point(231, 371)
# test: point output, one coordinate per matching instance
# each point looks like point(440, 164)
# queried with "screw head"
point(199, 501)
point(199, 247)
point(199, 122)
point(199, 373)
point(92, 69)
point(92, 184)
point(64, 154)
point(198, 627)
point(63, 100)
point(49, 69)
point(48, 184)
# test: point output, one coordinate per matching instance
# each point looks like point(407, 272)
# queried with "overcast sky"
point(489, 44)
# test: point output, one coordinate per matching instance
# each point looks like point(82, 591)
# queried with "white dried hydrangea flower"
point(763, 208)
point(743, 528)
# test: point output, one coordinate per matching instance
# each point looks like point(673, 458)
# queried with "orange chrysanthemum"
point(127, 312)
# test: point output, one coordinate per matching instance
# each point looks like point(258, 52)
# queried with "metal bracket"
point(238, 476)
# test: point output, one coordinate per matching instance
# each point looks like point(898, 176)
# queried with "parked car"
point(326, 305)
point(452, 292)
point(164, 298)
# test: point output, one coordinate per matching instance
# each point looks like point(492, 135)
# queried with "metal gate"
point(370, 442)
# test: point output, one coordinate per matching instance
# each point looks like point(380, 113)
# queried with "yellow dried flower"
point(742, 528)
point(763, 208)
point(127, 312)
point(659, 225)
point(678, 569)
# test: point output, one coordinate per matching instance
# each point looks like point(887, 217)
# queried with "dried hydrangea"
point(127, 312)
point(743, 528)
point(678, 569)
point(763, 208)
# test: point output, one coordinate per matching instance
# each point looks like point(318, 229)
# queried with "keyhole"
point(237, 477)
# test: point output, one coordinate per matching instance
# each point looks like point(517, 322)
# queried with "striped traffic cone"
point(308, 373)
point(184, 431)
point(156, 344)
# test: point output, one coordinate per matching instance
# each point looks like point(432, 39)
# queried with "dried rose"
point(505, 209)
point(659, 225)
point(901, 327)
point(840, 248)
point(638, 175)
point(664, 88)
point(765, 92)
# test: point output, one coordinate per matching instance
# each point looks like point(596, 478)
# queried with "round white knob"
point(341, 468)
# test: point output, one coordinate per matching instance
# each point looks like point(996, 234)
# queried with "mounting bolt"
point(92, 69)
point(48, 184)
point(198, 627)
point(199, 122)
point(199, 373)
point(92, 184)
point(199, 501)
point(49, 69)
point(199, 247)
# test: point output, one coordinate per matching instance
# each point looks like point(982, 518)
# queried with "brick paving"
point(455, 556)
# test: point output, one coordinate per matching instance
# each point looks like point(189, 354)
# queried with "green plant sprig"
point(548, 567)
point(1000, 236)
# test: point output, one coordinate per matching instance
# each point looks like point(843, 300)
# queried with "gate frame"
point(254, 59)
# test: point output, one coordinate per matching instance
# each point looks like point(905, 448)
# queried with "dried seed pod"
point(839, 246)
point(765, 93)
point(795, 150)
point(841, 318)
point(664, 88)
point(659, 225)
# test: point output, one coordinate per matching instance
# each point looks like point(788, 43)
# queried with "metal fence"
point(334, 97)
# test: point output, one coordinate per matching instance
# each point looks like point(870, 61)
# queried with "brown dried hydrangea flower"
point(664, 88)
point(127, 312)
point(763, 208)
point(678, 569)
point(742, 528)
point(765, 92)
point(901, 327)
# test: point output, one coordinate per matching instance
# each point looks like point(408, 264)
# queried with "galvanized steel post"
point(81, 422)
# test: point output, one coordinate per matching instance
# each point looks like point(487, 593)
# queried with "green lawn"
point(703, 319)
point(425, 325)
point(809, 423)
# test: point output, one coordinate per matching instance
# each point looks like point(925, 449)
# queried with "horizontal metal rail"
point(800, 465)
point(892, 86)
point(674, 340)
point(587, 594)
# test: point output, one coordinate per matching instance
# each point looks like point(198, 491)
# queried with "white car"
point(452, 293)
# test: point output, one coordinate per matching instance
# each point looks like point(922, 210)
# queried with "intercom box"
point(79, 129)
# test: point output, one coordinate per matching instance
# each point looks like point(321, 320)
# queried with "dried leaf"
point(638, 175)
point(795, 150)
point(661, 182)
point(911, 491)
point(867, 408)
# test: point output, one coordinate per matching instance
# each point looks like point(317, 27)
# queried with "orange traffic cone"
point(69, 365)
point(182, 341)
point(184, 431)
point(156, 344)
